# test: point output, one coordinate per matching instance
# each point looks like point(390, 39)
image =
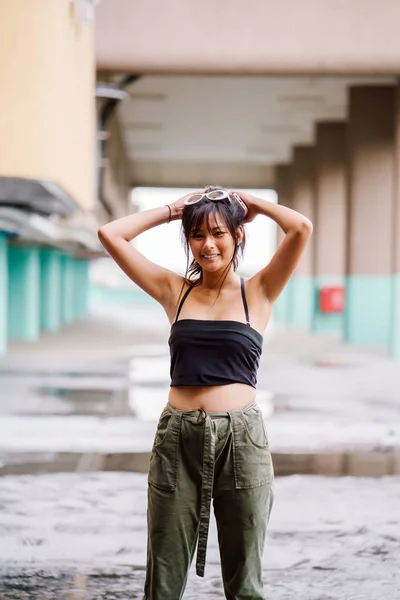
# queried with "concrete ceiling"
point(246, 120)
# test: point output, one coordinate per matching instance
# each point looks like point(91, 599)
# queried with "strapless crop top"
point(205, 353)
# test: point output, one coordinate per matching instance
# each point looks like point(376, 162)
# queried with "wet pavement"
point(99, 386)
point(96, 390)
point(82, 536)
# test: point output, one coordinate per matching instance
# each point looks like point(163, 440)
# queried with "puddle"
point(121, 583)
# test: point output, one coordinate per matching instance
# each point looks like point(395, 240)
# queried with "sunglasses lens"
point(217, 195)
point(193, 199)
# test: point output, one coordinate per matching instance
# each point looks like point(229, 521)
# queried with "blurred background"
point(112, 106)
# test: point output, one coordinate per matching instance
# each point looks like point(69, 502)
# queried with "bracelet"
point(170, 214)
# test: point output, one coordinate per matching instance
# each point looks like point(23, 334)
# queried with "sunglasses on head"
point(215, 196)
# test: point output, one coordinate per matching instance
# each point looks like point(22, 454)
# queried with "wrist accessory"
point(170, 214)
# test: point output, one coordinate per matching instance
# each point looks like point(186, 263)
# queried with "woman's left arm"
point(298, 229)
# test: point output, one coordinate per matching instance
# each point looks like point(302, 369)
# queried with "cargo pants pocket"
point(252, 462)
point(163, 468)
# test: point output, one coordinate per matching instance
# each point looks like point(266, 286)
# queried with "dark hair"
point(193, 216)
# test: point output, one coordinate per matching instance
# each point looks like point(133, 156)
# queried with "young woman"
point(211, 442)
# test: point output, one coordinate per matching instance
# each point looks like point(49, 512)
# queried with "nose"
point(208, 243)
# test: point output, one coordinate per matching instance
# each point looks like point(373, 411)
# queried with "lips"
point(209, 256)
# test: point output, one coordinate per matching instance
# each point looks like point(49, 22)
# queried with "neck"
point(216, 280)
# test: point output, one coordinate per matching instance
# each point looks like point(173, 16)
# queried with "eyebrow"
point(212, 229)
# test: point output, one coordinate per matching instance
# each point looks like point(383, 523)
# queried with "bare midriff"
point(218, 398)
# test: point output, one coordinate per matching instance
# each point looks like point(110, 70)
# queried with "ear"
point(240, 234)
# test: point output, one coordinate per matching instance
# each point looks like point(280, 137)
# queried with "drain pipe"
point(113, 94)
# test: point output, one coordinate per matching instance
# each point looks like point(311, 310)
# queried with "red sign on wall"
point(331, 299)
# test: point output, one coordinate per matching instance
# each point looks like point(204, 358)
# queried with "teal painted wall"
point(283, 306)
point(23, 293)
point(368, 314)
point(303, 301)
point(67, 289)
point(50, 289)
point(3, 293)
point(327, 322)
point(81, 288)
point(394, 346)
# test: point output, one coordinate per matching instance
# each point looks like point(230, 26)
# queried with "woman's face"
point(213, 246)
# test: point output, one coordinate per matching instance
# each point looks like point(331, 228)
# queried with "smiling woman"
point(211, 440)
point(260, 244)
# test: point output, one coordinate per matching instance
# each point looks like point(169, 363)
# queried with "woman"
point(210, 441)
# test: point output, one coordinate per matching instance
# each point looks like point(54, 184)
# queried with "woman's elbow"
point(103, 234)
point(306, 227)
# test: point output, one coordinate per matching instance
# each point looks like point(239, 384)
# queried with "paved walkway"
point(71, 536)
point(98, 387)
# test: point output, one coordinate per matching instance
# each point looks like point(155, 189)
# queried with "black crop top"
point(205, 353)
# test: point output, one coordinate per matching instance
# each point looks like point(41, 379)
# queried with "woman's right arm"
point(116, 236)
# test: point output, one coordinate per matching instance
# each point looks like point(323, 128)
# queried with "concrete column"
point(370, 153)
point(330, 217)
point(50, 289)
point(81, 288)
point(283, 184)
point(50, 62)
point(303, 196)
point(67, 289)
point(23, 293)
point(3, 293)
point(395, 321)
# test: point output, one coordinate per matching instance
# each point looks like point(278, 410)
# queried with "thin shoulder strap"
point(185, 295)
point(246, 308)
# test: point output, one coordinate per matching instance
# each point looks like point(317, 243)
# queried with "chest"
point(225, 306)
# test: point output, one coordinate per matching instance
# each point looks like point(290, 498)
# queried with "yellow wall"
point(47, 107)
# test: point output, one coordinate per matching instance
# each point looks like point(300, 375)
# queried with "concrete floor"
point(83, 536)
point(98, 386)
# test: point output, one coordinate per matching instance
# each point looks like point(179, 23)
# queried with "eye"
point(196, 236)
point(219, 233)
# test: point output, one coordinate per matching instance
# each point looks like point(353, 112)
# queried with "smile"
point(210, 256)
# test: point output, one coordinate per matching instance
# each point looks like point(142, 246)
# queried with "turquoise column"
point(327, 322)
point(395, 325)
point(50, 289)
point(81, 289)
point(370, 235)
point(302, 301)
point(367, 317)
point(67, 289)
point(283, 306)
point(23, 293)
point(3, 293)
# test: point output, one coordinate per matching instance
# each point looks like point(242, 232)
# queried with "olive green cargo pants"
point(196, 457)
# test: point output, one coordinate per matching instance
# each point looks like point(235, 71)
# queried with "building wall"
point(47, 95)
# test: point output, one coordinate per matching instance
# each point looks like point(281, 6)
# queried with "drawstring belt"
point(206, 484)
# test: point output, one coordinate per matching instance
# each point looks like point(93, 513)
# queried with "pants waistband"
point(201, 417)
point(188, 415)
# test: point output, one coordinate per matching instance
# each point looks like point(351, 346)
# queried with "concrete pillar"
point(303, 196)
point(283, 184)
point(370, 155)
point(47, 127)
point(50, 289)
point(3, 293)
point(23, 293)
point(330, 217)
point(67, 289)
point(395, 321)
point(81, 294)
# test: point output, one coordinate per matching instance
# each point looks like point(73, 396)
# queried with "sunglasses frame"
point(226, 196)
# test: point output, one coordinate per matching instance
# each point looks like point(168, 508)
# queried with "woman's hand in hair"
point(251, 203)
point(178, 206)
